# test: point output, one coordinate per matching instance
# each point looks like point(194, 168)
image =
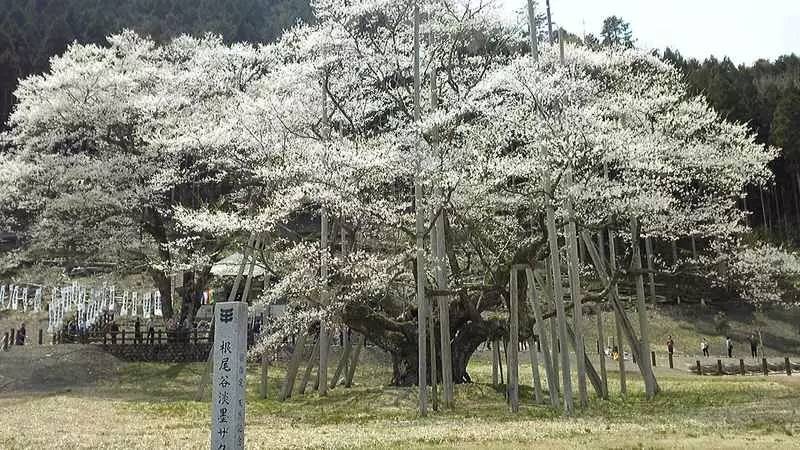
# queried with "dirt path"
point(47, 368)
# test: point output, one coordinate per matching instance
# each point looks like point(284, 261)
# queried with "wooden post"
point(264, 372)
point(575, 292)
point(513, 355)
point(741, 367)
point(495, 365)
point(788, 366)
point(324, 335)
point(432, 357)
point(670, 361)
point(439, 247)
point(14, 342)
point(558, 295)
point(699, 368)
point(500, 363)
point(294, 365)
point(764, 367)
point(612, 265)
point(719, 367)
point(533, 38)
point(351, 369)
point(651, 387)
point(540, 330)
point(537, 382)
point(601, 338)
point(316, 378)
point(653, 356)
point(555, 347)
point(313, 359)
point(422, 373)
point(41, 336)
point(648, 248)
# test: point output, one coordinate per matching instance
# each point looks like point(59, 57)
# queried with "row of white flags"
point(84, 305)
point(22, 298)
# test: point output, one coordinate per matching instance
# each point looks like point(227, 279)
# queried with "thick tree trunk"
point(164, 287)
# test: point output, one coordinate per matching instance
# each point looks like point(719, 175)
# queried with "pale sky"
point(744, 30)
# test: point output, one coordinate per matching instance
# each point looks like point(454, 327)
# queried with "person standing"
point(137, 331)
point(729, 346)
point(151, 332)
point(704, 347)
point(20, 338)
point(113, 329)
point(670, 345)
point(753, 346)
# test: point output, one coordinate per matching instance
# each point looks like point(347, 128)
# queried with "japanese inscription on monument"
point(230, 363)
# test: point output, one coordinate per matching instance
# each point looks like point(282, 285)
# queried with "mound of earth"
point(47, 368)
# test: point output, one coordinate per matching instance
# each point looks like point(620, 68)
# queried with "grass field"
point(151, 406)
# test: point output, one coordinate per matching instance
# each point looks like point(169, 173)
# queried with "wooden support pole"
point(440, 271)
point(532, 36)
point(294, 365)
point(495, 365)
point(422, 372)
point(351, 370)
point(433, 364)
point(591, 373)
point(500, 363)
point(540, 330)
point(575, 294)
point(612, 265)
point(653, 356)
point(788, 366)
point(699, 368)
point(601, 338)
point(555, 347)
point(316, 379)
point(719, 367)
point(671, 366)
point(513, 348)
point(433, 369)
point(264, 373)
point(313, 360)
point(558, 295)
point(650, 385)
point(764, 366)
point(537, 382)
point(324, 333)
point(741, 367)
point(648, 248)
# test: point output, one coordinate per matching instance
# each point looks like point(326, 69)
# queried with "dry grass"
point(151, 406)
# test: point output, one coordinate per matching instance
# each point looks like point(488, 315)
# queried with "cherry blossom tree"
point(266, 140)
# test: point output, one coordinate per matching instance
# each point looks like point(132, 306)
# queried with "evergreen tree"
point(786, 126)
point(617, 32)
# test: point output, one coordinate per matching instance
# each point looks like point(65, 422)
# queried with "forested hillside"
point(32, 31)
point(765, 95)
